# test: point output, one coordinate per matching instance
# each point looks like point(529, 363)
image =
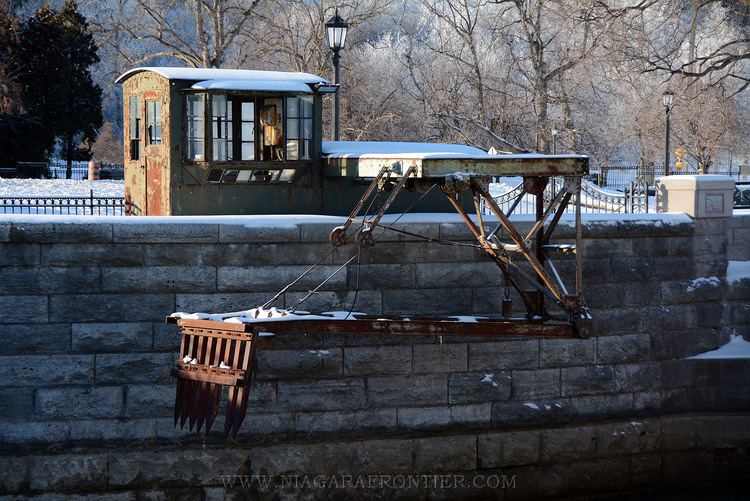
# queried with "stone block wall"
point(738, 253)
point(88, 398)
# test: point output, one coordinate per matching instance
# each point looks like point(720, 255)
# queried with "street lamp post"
point(554, 140)
point(336, 29)
point(667, 98)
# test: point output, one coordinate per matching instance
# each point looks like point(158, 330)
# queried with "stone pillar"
point(708, 199)
point(702, 196)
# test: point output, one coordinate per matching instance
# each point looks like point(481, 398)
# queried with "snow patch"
point(60, 188)
point(320, 353)
point(182, 73)
point(531, 405)
point(737, 271)
point(488, 379)
point(699, 282)
point(468, 318)
point(737, 347)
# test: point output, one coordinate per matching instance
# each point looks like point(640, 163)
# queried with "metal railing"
point(80, 170)
point(633, 200)
point(620, 176)
point(90, 205)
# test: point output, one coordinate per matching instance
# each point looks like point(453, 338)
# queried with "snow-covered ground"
point(60, 188)
point(737, 347)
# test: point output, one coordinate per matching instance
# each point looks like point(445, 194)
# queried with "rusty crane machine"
point(218, 351)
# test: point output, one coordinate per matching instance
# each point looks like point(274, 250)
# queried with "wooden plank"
point(209, 376)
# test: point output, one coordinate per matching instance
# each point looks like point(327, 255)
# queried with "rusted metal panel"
point(419, 326)
point(143, 196)
point(509, 165)
point(500, 165)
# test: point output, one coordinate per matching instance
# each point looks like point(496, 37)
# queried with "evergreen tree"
point(55, 53)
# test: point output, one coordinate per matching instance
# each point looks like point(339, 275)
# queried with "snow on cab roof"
point(255, 85)
point(395, 149)
point(201, 74)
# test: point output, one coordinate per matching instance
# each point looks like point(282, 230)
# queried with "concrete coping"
point(301, 228)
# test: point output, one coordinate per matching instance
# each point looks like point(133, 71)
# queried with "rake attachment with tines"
point(211, 359)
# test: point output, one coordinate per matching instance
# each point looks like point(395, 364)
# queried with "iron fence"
point(86, 205)
point(620, 176)
point(594, 199)
point(80, 170)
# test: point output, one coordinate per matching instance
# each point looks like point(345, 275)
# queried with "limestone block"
point(93, 430)
point(149, 400)
point(18, 404)
point(134, 368)
point(498, 450)
point(625, 348)
point(109, 307)
point(587, 380)
point(322, 395)
point(112, 337)
point(440, 357)
point(567, 443)
point(48, 280)
point(534, 384)
point(334, 422)
point(404, 391)
point(19, 254)
point(290, 364)
point(41, 370)
point(516, 354)
point(165, 232)
point(445, 454)
point(161, 278)
point(471, 387)
point(260, 278)
point(563, 352)
point(427, 301)
point(442, 416)
point(85, 254)
point(532, 412)
point(35, 339)
point(23, 309)
point(382, 276)
point(68, 472)
point(238, 233)
point(377, 360)
point(61, 233)
point(79, 401)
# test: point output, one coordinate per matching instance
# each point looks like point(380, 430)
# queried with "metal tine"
point(234, 345)
point(215, 389)
point(187, 394)
point(205, 392)
point(239, 403)
point(230, 410)
point(178, 399)
point(215, 400)
point(247, 365)
point(212, 354)
point(195, 407)
point(180, 393)
point(202, 399)
point(185, 407)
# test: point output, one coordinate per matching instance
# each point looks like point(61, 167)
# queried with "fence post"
point(92, 201)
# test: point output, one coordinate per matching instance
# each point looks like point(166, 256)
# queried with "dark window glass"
point(153, 121)
point(135, 127)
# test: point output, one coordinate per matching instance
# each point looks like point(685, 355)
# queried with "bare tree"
point(199, 33)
